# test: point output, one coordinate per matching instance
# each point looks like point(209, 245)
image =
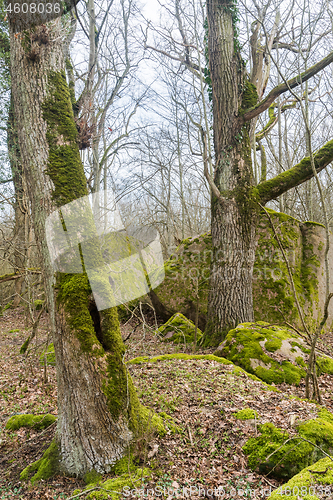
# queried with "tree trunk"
point(97, 405)
point(234, 213)
point(21, 228)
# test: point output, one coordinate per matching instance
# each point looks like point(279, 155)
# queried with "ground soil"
point(201, 396)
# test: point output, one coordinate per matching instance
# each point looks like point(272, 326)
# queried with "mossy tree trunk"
point(235, 198)
point(97, 405)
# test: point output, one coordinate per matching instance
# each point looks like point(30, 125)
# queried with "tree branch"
point(271, 189)
point(211, 183)
point(283, 87)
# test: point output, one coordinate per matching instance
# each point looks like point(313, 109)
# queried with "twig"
point(189, 433)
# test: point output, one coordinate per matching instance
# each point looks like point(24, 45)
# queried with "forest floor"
point(200, 395)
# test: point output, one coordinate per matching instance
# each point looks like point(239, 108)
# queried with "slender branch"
point(211, 183)
point(14, 276)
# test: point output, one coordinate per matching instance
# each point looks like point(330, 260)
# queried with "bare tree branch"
point(284, 87)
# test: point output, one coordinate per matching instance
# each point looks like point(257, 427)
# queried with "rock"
point(189, 266)
point(273, 353)
point(179, 330)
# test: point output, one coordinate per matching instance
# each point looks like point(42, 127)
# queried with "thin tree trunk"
point(21, 233)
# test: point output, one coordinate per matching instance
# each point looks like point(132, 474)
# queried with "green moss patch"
point(310, 484)
point(38, 304)
point(179, 330)
point(117, 487)
point(180, 356)
point(50, 355)
point(36, 422)
point(324, 365)
point(45, 467)
point(276, 453)
point(264, 350)
point(246, 414)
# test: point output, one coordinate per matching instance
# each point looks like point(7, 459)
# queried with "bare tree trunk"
point(97, 404)
point(21, 230)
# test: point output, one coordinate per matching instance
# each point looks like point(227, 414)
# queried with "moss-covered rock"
point(50, 355)
point(303, 245)
point(36, 422)
point(311, 483)
point(179, 329)
point(246, 346)
point(272, 353)
point(25, 346)
point(283, 456)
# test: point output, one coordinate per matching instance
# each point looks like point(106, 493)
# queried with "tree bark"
point(21, 228)
point(234, 213)
point(97, 405)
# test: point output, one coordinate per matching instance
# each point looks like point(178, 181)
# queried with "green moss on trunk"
point(46, 467)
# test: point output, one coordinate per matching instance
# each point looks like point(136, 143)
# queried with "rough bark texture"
point(21, 229)
point(97, 405)
point(234, 214)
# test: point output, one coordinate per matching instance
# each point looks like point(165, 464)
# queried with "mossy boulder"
point(188, 269)
point(311, 483)
point(272, 353)
point(179, 329)
point(50, 355)
point(36, 422)
point(280, 455)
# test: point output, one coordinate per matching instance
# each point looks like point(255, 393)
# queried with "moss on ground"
point(274, 452)
point(179, 329)
point(117, 487)
point(45, 467)
point(246, 414)
point(36, 422)
point(246, 345)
